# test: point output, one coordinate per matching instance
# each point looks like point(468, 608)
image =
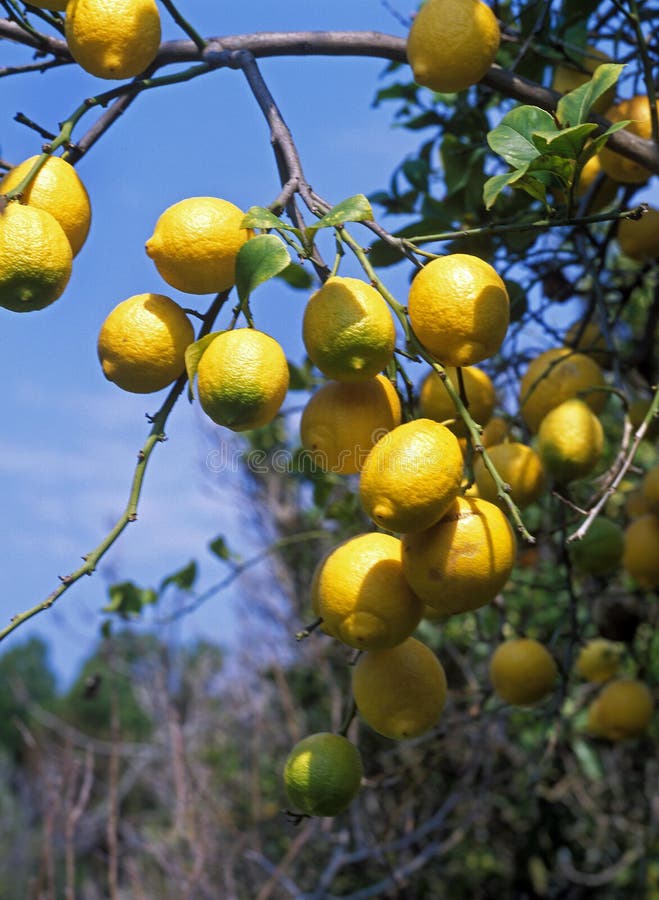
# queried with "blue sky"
point(69, 438)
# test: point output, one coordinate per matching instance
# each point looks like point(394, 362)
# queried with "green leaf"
point(260, 217)
point(297, 277)
point(494, 185)
point(574, 108)
point(193, 353)
point(588, 760)
point(258, 260)
point(416, 171)
point(300, 378)
point(597, 143)
point(354, 209)
point(513, 140)
point(219, 548)
point(569, 143)
point(127, 599)
point(183, 579)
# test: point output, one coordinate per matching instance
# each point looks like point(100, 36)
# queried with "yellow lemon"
point(636, 505)
point(618, 167)
point(589, 340)
point(411, 476)
point(35, 258)
point(599, 660)
point(347, 330)
point(462, 562)
point(242, 379)
point(113, 39)
point(522, 671)
point(459, 309)
point(401, 692)
point(56, 188)
point(570, 441)
point(600, 550)
point(495, 432)
point(322, 774)
point(452, 43)
point(579, 69)
point(623, 709)
point(519, 466)
point(641, 554)
point(195, 243)
point(359, 591)
point(639, 238)
point(343, 420)
point(435, 403)
point(650, 489)
point(557, 375)
point(142, 343)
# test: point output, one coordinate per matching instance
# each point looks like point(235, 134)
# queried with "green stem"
point(194, 36)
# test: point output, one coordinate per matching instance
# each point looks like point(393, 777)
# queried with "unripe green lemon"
point(600, 550)
point(322, 774)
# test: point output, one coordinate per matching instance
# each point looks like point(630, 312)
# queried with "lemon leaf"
point(574, 107)
point(127, 599)
point(193, 354)
point(260, 217)
point(513, 138)
point(260, 259)
point(354, 209)
point(494, 185)
point(568, 143)
point(183, 579)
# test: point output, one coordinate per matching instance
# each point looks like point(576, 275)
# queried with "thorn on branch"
point(131, 517)
point(141, 456)
point(66, 579)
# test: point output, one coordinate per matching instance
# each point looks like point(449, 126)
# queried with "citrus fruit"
point(579, 69)
point(142, 343)
point(495, 432)
point(600, 550)
point(435, 403)
point(462, 562)
point(618, 167)
point(589, 340)
point(623, 709)
point(35, 258)
point(639, 238)
point(56, 188)
point(522, 671)
point(411, 476)
point(359, 591)
point(459, 309)
point(113, 39)
point(343, 420)
point(570, 441)
point(519, 466)
point(557, 375)
point(599, 660)
point(641, 554)
point(322, 774)
point(242, 379)
point(195, 243)
point(650, 489)
point(401, 692)
point(636, 505)
point(347, 330)
point(452, 43)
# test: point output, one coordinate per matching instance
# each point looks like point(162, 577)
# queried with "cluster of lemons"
point(444, 545)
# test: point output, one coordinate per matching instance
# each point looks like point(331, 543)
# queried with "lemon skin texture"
point(342, 421)
point(557, 375)
point(522, 671)
point(598, 660)
point(242, 379)
point(622, 710)
point(600, 550)
point(113, 39)
point(452, 44)
point(322, 774)
point(641, 554)
point(411, 476)
point(435, 403)
point(519, 466)
point(400, 693)
point(142, 343)
point(570, 441)
point(195, 243)
point(459, 309)
point(359, 591)
point(57, 189)
point(347, 329)
point(639, 238)
point(35, 258)
point(464, 560)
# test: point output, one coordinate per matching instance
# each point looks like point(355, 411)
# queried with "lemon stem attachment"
point(306, 631)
